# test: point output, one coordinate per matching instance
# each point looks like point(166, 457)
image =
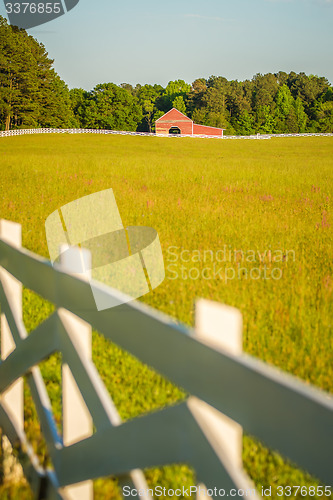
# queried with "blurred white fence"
point(227, 389)
point(11, 133)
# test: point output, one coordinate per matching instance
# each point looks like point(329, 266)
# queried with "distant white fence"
point(273, 136)
point(227, 389)
point(11, 133)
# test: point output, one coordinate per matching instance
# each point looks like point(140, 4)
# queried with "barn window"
point(174, 130)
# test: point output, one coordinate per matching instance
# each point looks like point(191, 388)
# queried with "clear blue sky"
point(154, 41)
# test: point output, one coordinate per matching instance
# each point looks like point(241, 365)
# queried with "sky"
point(153, 41)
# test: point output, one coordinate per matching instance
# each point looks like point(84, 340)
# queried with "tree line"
point(32, 95)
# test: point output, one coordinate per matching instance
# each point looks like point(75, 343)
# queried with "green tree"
point(281, 77)
point(244, 124)
point(31, 92)
point(286, 120)
point(79, 99)
point(214, 110)
point(196, 94)
point(325, 117)
point(291, 124)
point(18, 85)
point(179, 104)
point(112, 107)
point(56, 109)
point(215, 100)
point(147, 96)
point(284, 101)
point(158, 114)
point(177, 88)
point(328, 95)
point(265, 120)
point(237, 102)
point(301, 116)
point(265, 88)
point(199, 116)
point(128, 87)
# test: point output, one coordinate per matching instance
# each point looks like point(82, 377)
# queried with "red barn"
point(175, 122)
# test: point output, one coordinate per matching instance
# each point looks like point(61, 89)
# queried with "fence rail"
point(11, 133)
point(228, 389)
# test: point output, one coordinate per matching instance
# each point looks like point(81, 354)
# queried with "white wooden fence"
point(227, 389)
point(10, 133)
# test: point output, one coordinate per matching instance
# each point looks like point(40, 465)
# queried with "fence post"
point(11, 232)
point(77, 421)
point(220, 327)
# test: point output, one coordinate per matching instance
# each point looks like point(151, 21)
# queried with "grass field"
point(266, 204)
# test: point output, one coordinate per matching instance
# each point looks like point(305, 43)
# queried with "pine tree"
point(31, 92)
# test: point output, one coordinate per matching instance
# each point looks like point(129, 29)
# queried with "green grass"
point(200, 195)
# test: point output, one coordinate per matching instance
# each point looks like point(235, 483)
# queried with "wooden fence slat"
point(79, 359)
point(42, 342)
point(28, 460)
point(9, 309)
point(174, 436)
point(44, 412)
point(77, 420)
point(13, 397)
point(88, 381)
point(31, 351)
point(220, 326)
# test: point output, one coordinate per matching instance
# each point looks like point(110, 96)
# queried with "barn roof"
point(174, 114)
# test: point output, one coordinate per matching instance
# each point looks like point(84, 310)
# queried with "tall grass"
point(265, 204)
